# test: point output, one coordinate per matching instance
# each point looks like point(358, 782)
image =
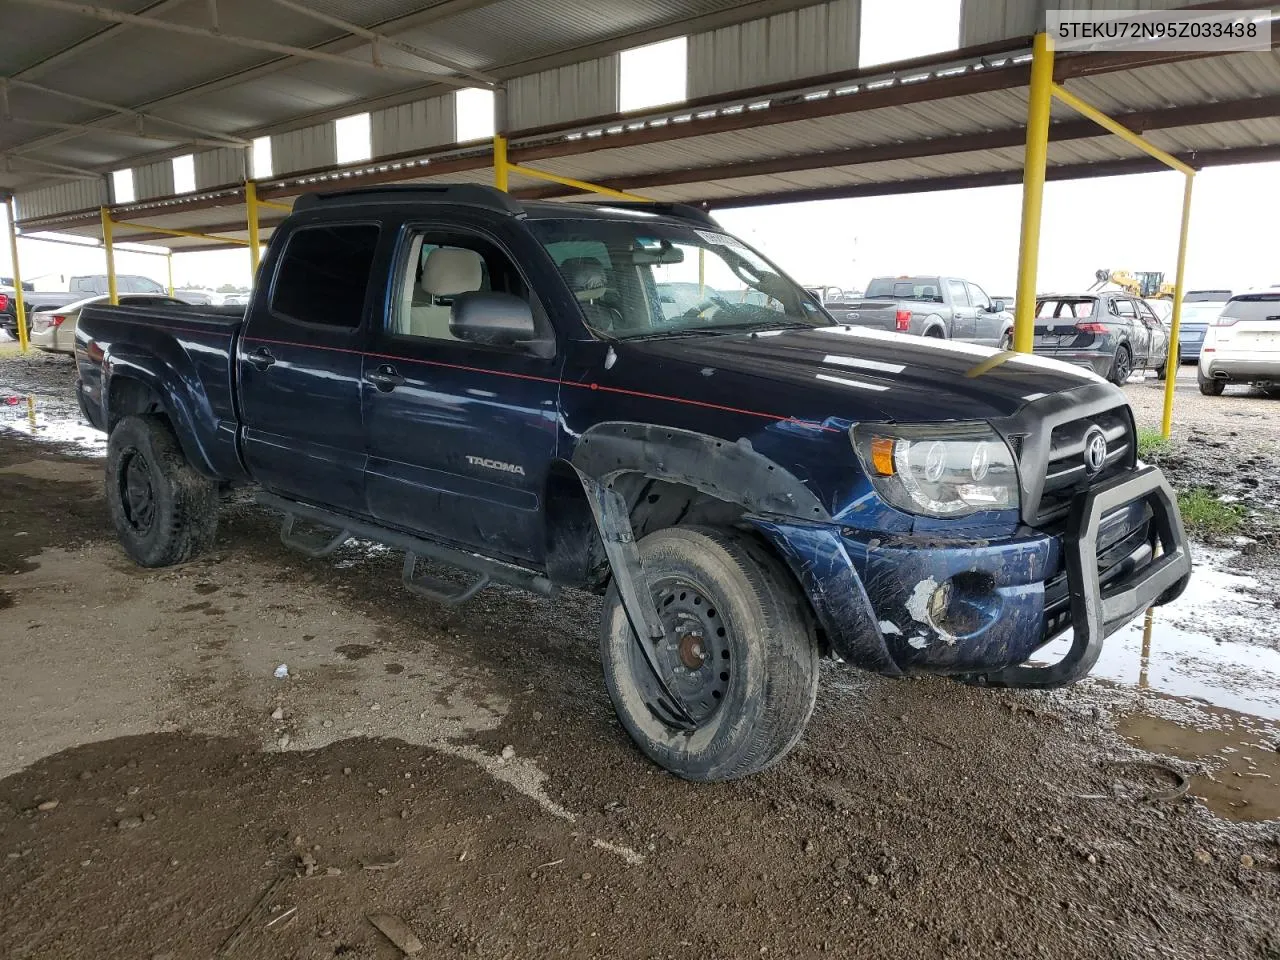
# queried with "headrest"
point(586, 277)
point(450, 271)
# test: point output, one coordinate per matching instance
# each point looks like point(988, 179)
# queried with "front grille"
point(1066, 474)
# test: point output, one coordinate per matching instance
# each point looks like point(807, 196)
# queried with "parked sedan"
point(1109, 332)
point(54, 331)
point(1199, 309)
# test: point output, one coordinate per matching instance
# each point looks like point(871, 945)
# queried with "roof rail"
point(682, 211)
point(469, 194)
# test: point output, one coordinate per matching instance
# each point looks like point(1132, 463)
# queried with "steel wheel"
point(693, 656)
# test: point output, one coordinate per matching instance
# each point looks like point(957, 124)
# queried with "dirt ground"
point(165, 795)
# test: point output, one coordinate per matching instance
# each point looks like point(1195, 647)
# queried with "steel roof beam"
point(225, 140)
point(1257, 108)
point(379, 39)
point(995, 178)
point(137, 134)
point(269, 46)
point(80, 172)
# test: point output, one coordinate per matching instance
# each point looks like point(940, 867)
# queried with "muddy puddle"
point(1203, 675)
point(50, 420)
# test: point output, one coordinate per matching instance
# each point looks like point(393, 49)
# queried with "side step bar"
point(486, 571)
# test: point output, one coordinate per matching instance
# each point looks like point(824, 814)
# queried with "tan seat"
point(448, 272)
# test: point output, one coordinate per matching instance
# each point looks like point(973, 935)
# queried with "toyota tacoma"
point(496, 386)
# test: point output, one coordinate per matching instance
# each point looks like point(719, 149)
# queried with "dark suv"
point(1112, 334)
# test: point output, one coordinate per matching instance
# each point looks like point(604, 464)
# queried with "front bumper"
point(907, 605)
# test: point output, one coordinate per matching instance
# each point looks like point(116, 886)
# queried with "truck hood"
point(863, 374)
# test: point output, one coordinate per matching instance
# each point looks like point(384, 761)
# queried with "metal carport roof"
point(953, 120)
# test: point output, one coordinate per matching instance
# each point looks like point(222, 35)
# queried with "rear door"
point(1131, 329)
point(300, 363)
point(461, 435)
point(963, 325)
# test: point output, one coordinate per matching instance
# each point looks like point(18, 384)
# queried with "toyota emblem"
point(1095, 450)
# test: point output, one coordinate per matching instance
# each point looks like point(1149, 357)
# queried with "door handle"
point(262, 358)
point(386, 378)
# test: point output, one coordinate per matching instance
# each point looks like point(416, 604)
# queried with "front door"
point(461, 435)
point(1158, 347)
point(988, 324)
point(300, 366)
point(962, 326)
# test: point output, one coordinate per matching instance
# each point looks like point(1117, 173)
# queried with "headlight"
point(947, 470)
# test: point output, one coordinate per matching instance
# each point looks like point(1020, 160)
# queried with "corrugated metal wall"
point(153, 180)
point(61, 198)
point(573, 92)
point(217, 168)
point(304, 149)
point(412, 126)
point(985, 21)
point(790, 46)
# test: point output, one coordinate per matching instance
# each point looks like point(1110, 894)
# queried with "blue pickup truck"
point(499, 386)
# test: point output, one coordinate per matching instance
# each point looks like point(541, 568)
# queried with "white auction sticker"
point(1221, 31)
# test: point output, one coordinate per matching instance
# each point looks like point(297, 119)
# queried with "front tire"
point(1121, 365)
point(740, 653)
point(164, 511)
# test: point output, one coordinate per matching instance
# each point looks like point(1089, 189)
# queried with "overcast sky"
point(1126, 223)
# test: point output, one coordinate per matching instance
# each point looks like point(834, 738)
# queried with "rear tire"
point(740, 653)
point(164, 511)
point(1210, 386)
point(1121, 365)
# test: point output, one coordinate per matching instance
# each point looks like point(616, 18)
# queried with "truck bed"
point(182, 353)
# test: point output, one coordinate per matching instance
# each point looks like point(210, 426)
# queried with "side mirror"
point(997, 306)
point(498, 319)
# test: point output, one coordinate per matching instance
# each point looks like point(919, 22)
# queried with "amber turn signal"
point(882, 456)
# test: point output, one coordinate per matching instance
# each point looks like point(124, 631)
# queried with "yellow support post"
point(108, 244)
point(1037, 155)
point(172, 232)
point(501, 177)
point(1172, 359)
point(251, 211)
point(582, 185)
point(19, 304)
point(1124, 133)
point(169, 259)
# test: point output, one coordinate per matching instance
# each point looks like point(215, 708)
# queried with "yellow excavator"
point(1148, 285)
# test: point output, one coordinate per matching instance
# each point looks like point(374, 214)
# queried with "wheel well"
point(575, 555)
point(936, 332)
point(129, 397)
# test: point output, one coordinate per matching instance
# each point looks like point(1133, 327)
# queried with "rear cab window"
point(324, 273)
point(905, 288)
